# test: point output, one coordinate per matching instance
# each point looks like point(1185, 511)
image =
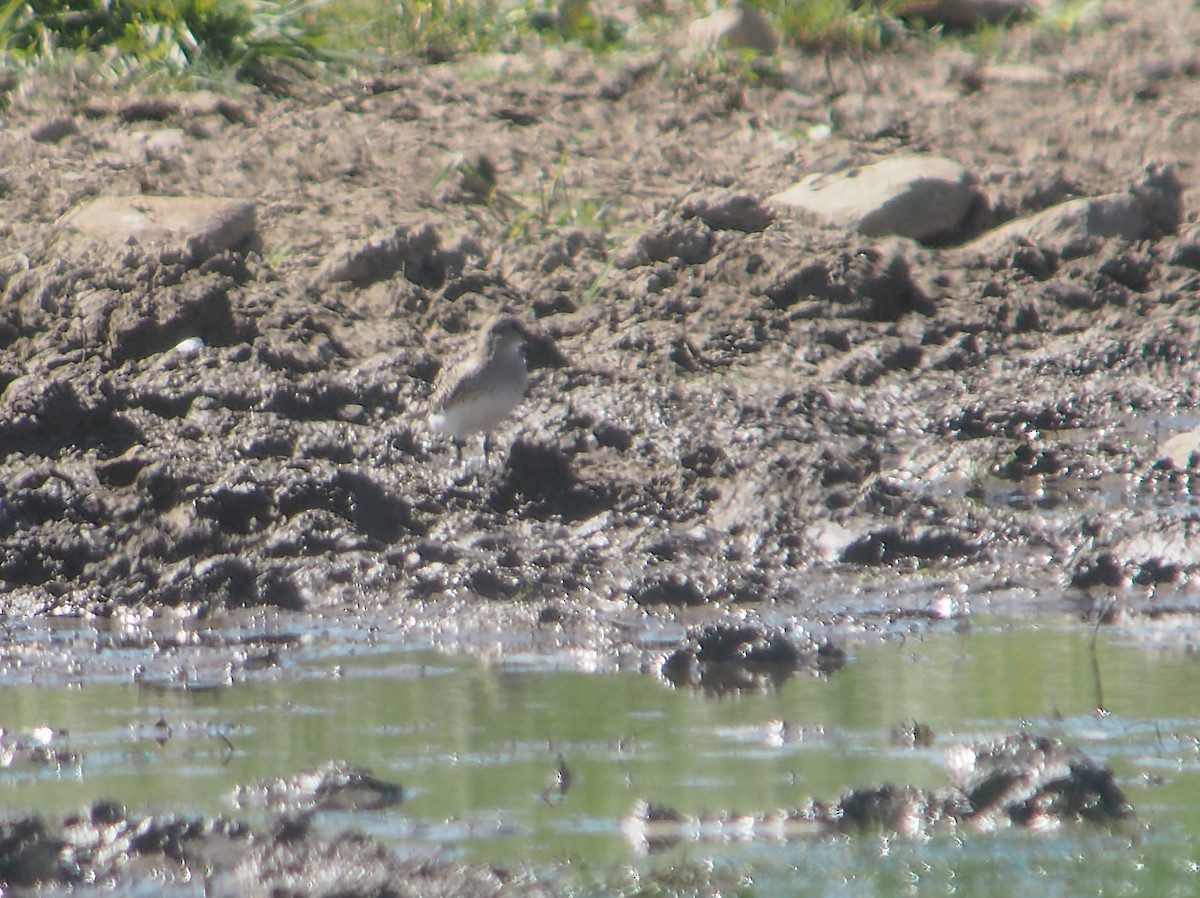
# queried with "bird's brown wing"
point(456, 381)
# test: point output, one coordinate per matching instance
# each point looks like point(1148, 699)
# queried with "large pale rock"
point(1150, 208)
point(1180, 448)
point(909, 196)
point(735, 27)
point(195, 227)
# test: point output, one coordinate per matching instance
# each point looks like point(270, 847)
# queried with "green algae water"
point(540, 767)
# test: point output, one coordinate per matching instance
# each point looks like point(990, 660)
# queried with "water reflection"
point(722, 659)
point(541, 765)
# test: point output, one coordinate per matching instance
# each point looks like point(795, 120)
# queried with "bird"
point(478, 391)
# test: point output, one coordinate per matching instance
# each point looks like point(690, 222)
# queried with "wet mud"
point(738, 411)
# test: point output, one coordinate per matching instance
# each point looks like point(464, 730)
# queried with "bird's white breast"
point(493, 399)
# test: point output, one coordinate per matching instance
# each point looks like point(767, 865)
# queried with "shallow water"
point(477, 748)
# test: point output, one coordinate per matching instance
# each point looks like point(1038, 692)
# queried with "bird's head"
point(506, 331)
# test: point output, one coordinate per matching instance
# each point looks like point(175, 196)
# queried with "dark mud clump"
point(1022, 781)
point(105, 843)
point(335, 786)
point(721, 658)
point(1034, 782)
point(171, 854)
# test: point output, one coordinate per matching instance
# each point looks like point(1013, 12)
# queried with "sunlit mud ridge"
point(1025, 781)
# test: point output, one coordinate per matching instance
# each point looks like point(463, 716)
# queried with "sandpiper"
point(482, 388)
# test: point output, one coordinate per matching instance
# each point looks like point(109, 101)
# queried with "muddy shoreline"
point(1019, 782)
point(742, 410)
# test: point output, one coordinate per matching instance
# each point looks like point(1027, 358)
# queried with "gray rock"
point(54, 129)
point(735, 27)
point(910, 196)
point(1150, 208)
point(195, 227)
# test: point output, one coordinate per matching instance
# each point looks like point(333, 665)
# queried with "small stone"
point(1020, 75)
point(53, 129)
point(352, 412)
point(204, 103)
point(97, 107)
point(189, 348)
point(910, 196)
point(735, 27)
point(165, 143)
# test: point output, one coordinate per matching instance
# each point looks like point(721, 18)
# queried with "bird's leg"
point(385, 454)
point(487, 448)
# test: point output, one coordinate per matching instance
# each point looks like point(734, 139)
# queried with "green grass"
point(248, 39)
point(444, 29)
point(837, 24)
point(530, 217)
point(179, 35)
point(1069, 17)
point(184, 36)
point(555, 207)
point(434, 29)
point(527, 216)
